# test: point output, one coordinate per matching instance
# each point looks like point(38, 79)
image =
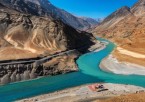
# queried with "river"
point(89, 73)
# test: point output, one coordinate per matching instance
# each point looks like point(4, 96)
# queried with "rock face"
point(26, 71)
point(126, 28)
point(44, 7)
point(26, 33)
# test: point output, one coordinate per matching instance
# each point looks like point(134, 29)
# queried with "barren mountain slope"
point(139, 8)
point(27, 41)
point(114, 18)
point(128, 33)
point(35, 35)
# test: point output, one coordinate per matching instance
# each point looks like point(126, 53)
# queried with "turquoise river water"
point(89, 73)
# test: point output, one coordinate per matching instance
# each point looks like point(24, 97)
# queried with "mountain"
point(35, 35)
point(91, 21)
point(114, 18)
point(126, 28)
point(139, 8)
point(99, 20)
point(44, 7)
point(33, 44)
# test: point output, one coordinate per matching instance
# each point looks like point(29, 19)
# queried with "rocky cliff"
point(21, 71)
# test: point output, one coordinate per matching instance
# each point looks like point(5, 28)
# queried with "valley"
point(35, 45)
point(48, 54)
point(125, 27)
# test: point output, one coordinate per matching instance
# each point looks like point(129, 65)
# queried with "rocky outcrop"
point(13, 72)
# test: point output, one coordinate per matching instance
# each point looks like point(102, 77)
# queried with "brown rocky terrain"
point(25, 35)
point(14, 72)
point(35, 35)
point(126, 28)
point(140, 97)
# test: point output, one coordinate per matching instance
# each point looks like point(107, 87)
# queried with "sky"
point(92, 8)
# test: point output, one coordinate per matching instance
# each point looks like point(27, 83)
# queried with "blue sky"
point(92, 8)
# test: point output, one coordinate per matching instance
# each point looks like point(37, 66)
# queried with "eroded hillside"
point(36, 36)
point(32, 46)
point(126, 28)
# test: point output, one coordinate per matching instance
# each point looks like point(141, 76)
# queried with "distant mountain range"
point(91, 21)
point(44, 7)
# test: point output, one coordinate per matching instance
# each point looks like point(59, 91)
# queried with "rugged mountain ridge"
point(44, 7)
point(139, 8)
point(114, 18)
point(37, 35)
point(26, 34)
point(128, 32)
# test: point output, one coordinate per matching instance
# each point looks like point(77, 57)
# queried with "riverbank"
point(112, 65)
point(84, 93)
point(62, 95)
point(59, 63)
point(123, 61)
point(89, 72)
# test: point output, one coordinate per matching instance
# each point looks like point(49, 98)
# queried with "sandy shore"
point(83, 93)
point(111, 64)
